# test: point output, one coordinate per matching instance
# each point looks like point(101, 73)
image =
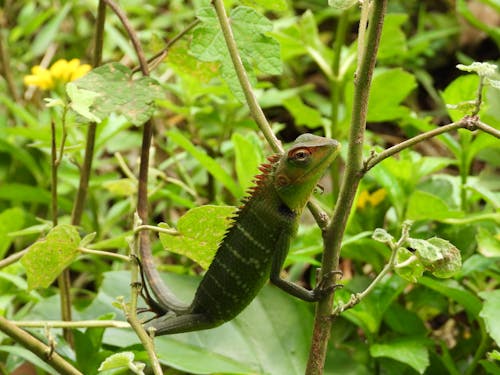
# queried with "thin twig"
point(63, 280)
point(81, 194)
point(335, 230)
point(159, 56)
point(73, 324)
point(12, 258)
point(142, 204)
point(255, 110)
point(172, 232)
point(468, 122)
point(38, 348)
point(7, 72)
point(104, 253)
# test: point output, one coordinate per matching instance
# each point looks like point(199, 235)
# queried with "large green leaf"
point(11, 220)
point(489, 313)
point(248, 156)
point(426, 206)
point(453, 290)
point(47, 258)
point(200, 231)
point(409, 350)
point(255, 47)
point(271, 336)
point(369, 314)
point(110, 89)
point(212, 166)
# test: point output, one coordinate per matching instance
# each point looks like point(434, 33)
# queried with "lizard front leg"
point(295, 290)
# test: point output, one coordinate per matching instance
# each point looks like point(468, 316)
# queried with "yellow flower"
point(374, 198)
point(40, 77)
point(61, 71)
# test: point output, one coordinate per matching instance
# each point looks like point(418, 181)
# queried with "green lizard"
point(254, 247)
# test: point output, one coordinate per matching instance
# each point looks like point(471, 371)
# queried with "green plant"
point(70, 180)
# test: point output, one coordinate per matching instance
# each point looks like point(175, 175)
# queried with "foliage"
point(434, 307)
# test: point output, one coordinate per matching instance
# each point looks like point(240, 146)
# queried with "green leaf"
point(409, 350)
point(271, 336)
point(451, 289)
point(19, 153)
point(47, 258)
point(302, 113)
point(82, 100)
point(489, 313)
point(194, 240)
point(29, 356)
point(408, 270)
point(438, 256)
point(461, 90)
point(120, 361)
point(389, 88)
point(393, 39)
point(248, 157)
point(275, 5)
point(12, 219)
point(117, 93)
point(426, 206)
point(368, 315)
point(487, 243)
point(212, 166)
point(124, 187)
point(48, 33)
point(24, 193)
point(381, 235)
point(480, 68)
point(255, 47)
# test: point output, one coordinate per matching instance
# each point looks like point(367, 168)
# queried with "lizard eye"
point(300, 155)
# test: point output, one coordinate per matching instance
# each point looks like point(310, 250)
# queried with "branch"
point(86, 169)
point(77, 324)
point(12, 258)
point(104, 253)
point(358, 297)
point(44, 352)
point(253, 105)
point(7, 72)
point(468, 122)
point(335, 230)
point(158, 57)
point(142, 206)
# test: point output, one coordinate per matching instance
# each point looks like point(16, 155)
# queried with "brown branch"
point(469, 122)
point(44, 352)
point(5, 68)
point(335, 230)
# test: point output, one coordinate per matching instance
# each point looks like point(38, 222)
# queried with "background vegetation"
point(301, 58)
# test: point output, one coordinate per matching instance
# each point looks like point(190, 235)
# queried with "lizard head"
point(300, 168)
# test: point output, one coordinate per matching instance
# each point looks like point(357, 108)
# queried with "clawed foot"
point(324, 286)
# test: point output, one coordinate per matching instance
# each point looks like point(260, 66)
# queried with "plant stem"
point(74, 324)
point(255, 110)
point(12, 258)
point(142, 207)
point(336, 84)
point(6, 71)
point(158, 57)
point(334, 232)
point(104, 253)
point(253, 105)
point(63, 280)
point(375, 159)
point(172, 232)
point(44, 352)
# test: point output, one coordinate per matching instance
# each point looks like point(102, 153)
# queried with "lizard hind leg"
point(172, 323)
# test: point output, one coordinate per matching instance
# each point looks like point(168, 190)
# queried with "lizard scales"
point(256, 244)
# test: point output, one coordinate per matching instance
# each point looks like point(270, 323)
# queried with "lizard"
point(253, 248)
